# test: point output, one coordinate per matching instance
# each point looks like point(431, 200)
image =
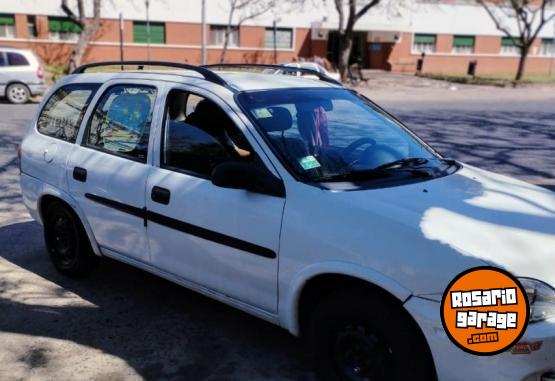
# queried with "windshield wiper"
point(407, 162)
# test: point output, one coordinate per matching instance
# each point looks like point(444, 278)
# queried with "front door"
point(108, 171)
point(225, 240)
point(379, 55)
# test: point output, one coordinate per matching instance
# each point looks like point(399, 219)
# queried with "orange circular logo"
point(485, 311)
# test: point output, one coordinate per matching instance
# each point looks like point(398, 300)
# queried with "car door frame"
point(80, 143)
point(242, 123)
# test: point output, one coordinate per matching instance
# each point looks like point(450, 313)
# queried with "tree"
point(354, 13)
point(89, 29)
point(246, 10)
point(525, 13)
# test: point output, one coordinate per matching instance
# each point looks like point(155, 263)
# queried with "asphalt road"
point(122, 323)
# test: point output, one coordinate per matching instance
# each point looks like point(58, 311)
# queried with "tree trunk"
point(88, 33)
point(80, 48)
point(521, 63)
point(345, 47)
point(224, 47)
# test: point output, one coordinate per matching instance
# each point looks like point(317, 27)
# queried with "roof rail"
point(205, 72)
point(284, 68)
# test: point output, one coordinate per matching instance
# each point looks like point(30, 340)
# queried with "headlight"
point(541, 297)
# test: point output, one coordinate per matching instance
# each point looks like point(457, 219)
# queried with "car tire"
point(360, 335)
point(67, 242)
point(18, 93)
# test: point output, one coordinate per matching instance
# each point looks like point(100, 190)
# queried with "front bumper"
point(527, 361)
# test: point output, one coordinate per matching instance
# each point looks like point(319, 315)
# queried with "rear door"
point(108, 170)
point(226, 240)
point(58, 123)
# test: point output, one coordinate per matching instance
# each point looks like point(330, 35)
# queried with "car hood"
point(466, 219)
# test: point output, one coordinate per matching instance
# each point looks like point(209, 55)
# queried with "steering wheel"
point(348, 152)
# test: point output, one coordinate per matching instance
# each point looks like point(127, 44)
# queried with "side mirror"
point(248, 176)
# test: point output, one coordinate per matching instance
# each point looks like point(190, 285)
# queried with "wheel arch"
point(316, 286)
point(53, 195)
point(315, 281)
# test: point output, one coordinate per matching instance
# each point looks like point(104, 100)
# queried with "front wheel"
point(18, 93)
point(361, 336)
point(67, 241)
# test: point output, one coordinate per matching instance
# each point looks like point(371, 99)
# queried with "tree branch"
point(366, 8)
point(78, 19)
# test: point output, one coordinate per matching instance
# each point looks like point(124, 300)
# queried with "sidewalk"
point(396, 87)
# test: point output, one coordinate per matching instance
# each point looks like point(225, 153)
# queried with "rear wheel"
point(18, 93)
point(67, 242)
point(364, 336)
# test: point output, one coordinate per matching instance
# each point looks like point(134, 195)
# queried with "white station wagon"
point(294, 199)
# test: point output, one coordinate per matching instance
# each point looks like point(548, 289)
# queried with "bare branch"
point(341, 14)
point(366, 8)
point(78, 19)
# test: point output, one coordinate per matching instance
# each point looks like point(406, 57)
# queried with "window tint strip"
point(185, 227)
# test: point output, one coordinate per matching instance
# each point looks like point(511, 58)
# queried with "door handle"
point(80, 174)
point(160, 195)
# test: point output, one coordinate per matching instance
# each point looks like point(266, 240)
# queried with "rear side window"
point(2, 59)
point(121, 121)
point(61, 116)
point(16, 59)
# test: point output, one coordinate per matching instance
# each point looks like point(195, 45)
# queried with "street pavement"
point(124, 324)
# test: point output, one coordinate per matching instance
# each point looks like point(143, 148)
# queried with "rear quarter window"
point(16, 59)
point(62, 114)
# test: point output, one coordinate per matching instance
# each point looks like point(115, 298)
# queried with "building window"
point(63, 29)
point(284, 38)
point(217, 35)
point(157, 32)
point(508, 46)
point(463, 44)
point(32, 30)
point(424, 43)
point(7, 26)
point(547, 47)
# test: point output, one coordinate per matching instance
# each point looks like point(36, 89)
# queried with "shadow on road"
point(514, 143)
point(160, 329)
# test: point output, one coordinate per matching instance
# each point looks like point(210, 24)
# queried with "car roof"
point(16, 50)
point(238, 81)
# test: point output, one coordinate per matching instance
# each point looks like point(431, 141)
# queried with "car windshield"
point(330, 134)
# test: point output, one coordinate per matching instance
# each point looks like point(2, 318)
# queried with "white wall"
point(392, 15)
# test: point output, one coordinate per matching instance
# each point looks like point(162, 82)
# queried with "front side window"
point(198, 135)
point(2, 59)
point(121, 121)
point(424, 43)
point(280, 38)
point(330, 133)
point(16, 59)
point(61, 116)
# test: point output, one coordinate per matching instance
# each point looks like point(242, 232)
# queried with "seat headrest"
point(130, 110)
point(276, 119)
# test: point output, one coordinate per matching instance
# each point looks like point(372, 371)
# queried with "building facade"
point(392, 36)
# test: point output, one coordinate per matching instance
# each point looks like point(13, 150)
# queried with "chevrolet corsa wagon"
point(293, 199)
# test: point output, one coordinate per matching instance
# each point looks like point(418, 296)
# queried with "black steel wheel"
point(357, 335)
point(66, 241)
